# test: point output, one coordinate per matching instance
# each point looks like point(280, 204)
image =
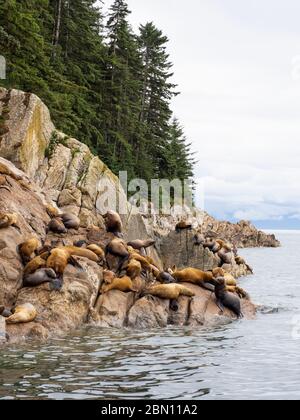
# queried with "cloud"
point(235, 64)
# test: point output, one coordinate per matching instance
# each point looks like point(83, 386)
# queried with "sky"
point(237, 66)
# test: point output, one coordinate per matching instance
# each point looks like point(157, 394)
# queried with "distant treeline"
point(104, 84)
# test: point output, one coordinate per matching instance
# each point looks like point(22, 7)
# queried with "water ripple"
point(249, 359)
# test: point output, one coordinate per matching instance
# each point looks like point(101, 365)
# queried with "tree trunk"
point(56, 34)
point(67, 30)
point(144, 86)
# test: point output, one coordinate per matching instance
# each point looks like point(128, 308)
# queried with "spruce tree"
point(157, 92)
point(122, 89)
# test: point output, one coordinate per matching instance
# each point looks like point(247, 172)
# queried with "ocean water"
point(257, 359)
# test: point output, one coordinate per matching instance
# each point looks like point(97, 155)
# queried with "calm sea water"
point(246, 359)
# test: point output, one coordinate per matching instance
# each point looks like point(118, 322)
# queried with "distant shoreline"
point(281, 230)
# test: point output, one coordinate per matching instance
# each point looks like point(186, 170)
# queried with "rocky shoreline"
point(42, 168)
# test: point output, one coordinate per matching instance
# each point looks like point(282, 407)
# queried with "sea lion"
point(56, 226)
point(35, 264)
point(22, 313)
point(241, 261)
point(216, 247)
point(226, 256)
point(70, 221)
point(183, 225)
point(60, 257)
point(199, 239)
point(209, 243)
point(123, 284)
point(8, 219)
point(192, 275)
point(169, 291)
point(165, 277)
point(28, 249)
point(116, 253)
point(226, 299)
point(43, 275)
point(134, 269)
point(141, 245)
point(108, 276)
point(220, 272)
point(97, 250)
point(113, 223)
point(52, 211)
point(118, 248)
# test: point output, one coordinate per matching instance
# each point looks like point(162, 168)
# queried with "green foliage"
point(54, 141)
point(112, 91)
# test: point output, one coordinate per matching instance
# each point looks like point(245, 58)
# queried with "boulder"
point(149, 312)
point(112, 308)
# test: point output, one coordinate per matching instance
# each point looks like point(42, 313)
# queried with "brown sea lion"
point(183, 225)
point(97, 250)
point(241, 261)
point(116, 253)
point(209, 243)
point(226, 256)
point(134, 269)
point(60, 257)
point(70, 221)
point(192, 275)
point(134, 255)
point(216, 247)
point(118, 248)
point(226, 299)
point(138, 284)
point(169, 291)
point(56, 226)
point(22, 313)
point(113, 223)
point(141, 245)
point(199, 239)
point(43, 275)
point(123, 284)
point(108, 276)
point(28, 249)
point(35, 264)
point(52, 211)
point(8, 219)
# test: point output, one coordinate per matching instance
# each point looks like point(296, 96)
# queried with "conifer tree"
point(122, 88)
point(157, 91)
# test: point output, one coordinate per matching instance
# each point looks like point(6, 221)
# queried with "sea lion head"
point(218, 273)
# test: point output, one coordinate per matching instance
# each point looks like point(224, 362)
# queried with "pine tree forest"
point(104, 84)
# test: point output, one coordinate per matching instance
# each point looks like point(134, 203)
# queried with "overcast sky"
point(237, 64)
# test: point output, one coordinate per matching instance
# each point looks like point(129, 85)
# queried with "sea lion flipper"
point(220, 306)
point(75, 263)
